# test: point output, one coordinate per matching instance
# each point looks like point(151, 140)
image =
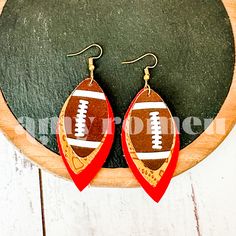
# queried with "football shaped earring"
point(85, 128)
point(150, 140)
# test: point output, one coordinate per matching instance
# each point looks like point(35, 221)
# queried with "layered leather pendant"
point(85, 132)
point(150, 142)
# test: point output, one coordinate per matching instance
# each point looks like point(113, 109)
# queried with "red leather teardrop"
point(85, 132)
point(150, 142)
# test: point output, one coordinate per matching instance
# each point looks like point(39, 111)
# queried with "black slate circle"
point(193, 40)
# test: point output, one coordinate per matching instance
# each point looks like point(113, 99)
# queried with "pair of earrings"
point(149, 136)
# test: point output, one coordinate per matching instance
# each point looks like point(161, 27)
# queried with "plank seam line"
point(42, 203)
point(196, 214)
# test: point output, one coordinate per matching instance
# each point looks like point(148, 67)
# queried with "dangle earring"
point(85, 128)
point(150, 139)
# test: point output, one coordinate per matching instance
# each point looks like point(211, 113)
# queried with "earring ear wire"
point(91, 66)
point(146, 69)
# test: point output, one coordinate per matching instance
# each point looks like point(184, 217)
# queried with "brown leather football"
point(85, 131)
point(86, 117)
point(151, 130)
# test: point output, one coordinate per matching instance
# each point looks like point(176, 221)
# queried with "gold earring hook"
point(146, 69)
point(85, 49)
point(145, 55)
point(90, 60)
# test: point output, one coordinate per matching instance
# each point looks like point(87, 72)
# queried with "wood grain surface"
point(199, 202)
point(189, 156)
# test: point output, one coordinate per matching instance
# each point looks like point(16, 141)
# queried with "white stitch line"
point(149, 105)
point(83, 143)
point(153, 155)
point(80, 120)
point(156, 130)
point(89, 94)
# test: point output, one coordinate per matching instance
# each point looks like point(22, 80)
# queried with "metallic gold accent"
point(152, 176)
point(76, 163)
point(146, 69)
point(90, 60)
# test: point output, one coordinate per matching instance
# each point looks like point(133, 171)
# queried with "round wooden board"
point(123, 177)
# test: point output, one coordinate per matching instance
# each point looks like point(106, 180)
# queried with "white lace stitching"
point(156, 130)
point(80, 122)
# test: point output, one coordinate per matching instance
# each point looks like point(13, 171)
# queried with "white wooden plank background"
point(20, 207)
point(117, 211)
point(198, 202)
